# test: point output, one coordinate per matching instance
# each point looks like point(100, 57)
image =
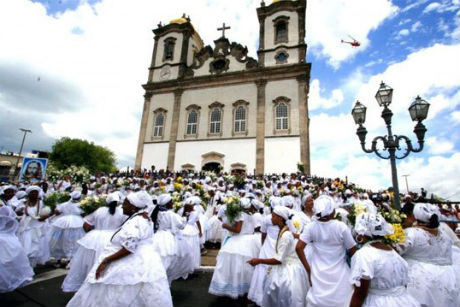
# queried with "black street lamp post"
point(418, 111)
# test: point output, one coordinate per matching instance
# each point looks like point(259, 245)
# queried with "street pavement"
point(45, 289)
point(47, 293)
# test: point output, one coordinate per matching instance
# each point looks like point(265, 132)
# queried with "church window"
point(281, 57)
point(281, 29)
point(192, 122)
point(281, 117)
point(159, 125)
point(168, 53)
point(216, 117)
point(240, 119)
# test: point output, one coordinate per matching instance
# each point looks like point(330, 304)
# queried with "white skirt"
point(63, 241)
point(396, 297)
point(35, 241)
point(214, 232)
point(433, 285)
point(80, 266)
point(232, 275)
point(15, 270)
point(286, 285)
point(166, 246)
point(256, 290)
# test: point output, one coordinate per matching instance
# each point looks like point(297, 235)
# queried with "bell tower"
point(282, 32)
point(173, 52)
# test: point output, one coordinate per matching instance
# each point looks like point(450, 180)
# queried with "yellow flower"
point(296, 225)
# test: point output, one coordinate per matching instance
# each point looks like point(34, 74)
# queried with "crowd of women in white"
point(292, 253)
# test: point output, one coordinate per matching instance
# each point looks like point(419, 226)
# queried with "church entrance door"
point(212, 167)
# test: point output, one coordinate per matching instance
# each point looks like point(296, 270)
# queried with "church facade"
point(216, 106)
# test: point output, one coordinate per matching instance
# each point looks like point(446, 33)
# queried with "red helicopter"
point(354, 43)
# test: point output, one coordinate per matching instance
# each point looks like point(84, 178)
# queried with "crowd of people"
point(285, 240)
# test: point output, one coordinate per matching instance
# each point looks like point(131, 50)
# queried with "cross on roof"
point(223, 29)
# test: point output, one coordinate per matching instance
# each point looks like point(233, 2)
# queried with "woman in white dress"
point(232, 275)
point(67, 228)
point(379, 274)
point(190, 237)
point(128, 272)
point(286, 283)
point(428, 251)
point(269, 236)
point(327, 268)
point(100, 225)
point(15, 270)
point(33, 228)
point(167, 224)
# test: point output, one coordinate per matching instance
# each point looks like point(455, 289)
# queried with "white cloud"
point(455, 116)
point(431, 7)
point(315, 101)
point(439, 146)
point(415, 26)
point(330, 21)
point(413, 5)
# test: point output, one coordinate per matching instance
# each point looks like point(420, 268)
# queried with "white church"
point(215, 107)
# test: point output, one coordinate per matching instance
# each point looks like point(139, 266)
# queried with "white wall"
point(282, 154)
point(155, 154)
point(293, 32)
point(274, 89)
point(242, 151)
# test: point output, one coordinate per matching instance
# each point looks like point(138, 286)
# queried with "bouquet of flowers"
point(234, 208)
point(393, 216)
point(92, 203)
point(177, 187)
point(229, 179)
point(397, 237)
point(211, 175)
point(203, 195)
point(54, 199)
point(260, 184)
point(238, 181)
point(356, 209)
point(177, 202)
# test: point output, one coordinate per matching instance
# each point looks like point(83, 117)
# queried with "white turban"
point(282, 211)
point(245, 202)
point(275, 201)
point(257, 204)
point(115, 196)
point(369, 204)
point(423, 211)
point(33, 188)
point(371, 224)
point(288, 201)
point(75, 195)
point(136, 201)
point(164, 199)
point(323, 205)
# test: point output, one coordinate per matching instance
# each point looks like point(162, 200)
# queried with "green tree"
point(66, 152)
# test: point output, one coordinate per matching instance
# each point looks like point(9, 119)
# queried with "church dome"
point(274, 1)
point(178, 20)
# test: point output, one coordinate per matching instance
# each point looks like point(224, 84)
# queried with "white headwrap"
point(282, 211)
point(275, 201)
point(115, 196)
point(288, 201)
point(163, 199)
point(75, 195)
point(423, 211)
point(136, 201)
point(8, 221)
point(245, 202)
point(33, 188)
point(371, 224)
point(323, 206)
point(257, 204)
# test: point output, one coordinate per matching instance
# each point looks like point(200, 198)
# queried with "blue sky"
point(72, 45)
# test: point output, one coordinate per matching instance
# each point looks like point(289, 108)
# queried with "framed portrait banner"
point(33, 169)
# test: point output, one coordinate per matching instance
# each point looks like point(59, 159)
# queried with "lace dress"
point(232, 275)
point(137, 279)
point(91, 245)
point(15, 270)
point(330, 273)
point(66, 230)
point(432, 275)
point(389, 276)
point(286, 285)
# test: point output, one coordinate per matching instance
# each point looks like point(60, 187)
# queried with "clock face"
point(165, 73)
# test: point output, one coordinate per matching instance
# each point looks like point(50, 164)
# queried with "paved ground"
point(45, 290)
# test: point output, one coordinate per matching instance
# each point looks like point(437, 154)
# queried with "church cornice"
point(291, 6)
point(231, 78)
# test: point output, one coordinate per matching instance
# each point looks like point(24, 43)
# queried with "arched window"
point(168, 53)
point(240, 119)
point(192, 122)
point(281, 116)
point(216, 118)
point(281, 24)
point(159, 125)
